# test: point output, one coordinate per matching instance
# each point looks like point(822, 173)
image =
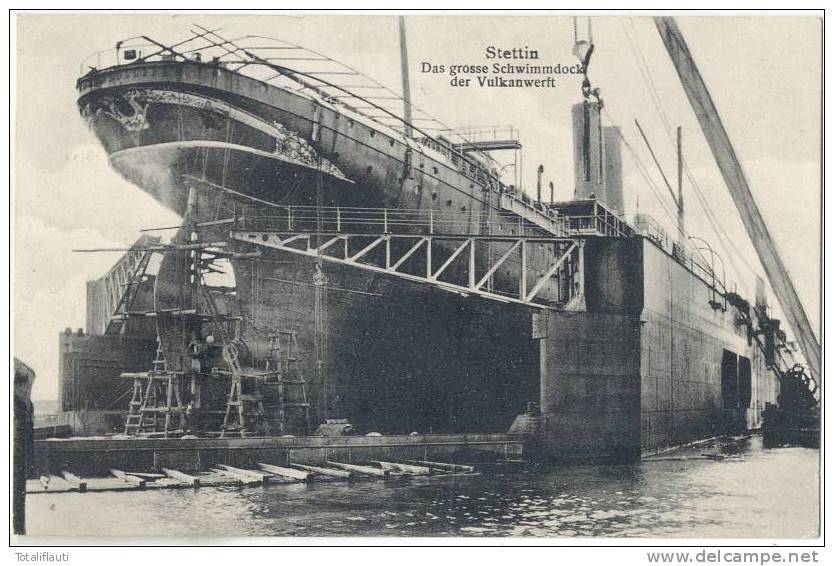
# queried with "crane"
point(736, 181)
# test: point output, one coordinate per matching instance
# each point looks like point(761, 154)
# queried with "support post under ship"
point(341, 266)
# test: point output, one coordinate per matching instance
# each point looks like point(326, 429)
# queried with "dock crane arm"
point(734, 178)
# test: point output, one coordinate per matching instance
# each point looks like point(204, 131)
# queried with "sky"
point(763, 74)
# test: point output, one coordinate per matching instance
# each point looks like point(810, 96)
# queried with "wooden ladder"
point(245, 405)
point(146, 409)
point(134, 415)
point(291, 376)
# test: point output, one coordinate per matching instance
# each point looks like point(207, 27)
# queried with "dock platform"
point(106, 463)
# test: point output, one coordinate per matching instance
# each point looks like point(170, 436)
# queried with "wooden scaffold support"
point(156, 408)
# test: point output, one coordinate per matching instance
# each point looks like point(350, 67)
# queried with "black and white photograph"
point(467, 277)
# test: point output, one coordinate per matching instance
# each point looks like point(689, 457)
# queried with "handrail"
point(648, 226)
point(373, 220)
point(386, 220)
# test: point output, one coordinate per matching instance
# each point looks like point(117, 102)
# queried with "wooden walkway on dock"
point(226, 475)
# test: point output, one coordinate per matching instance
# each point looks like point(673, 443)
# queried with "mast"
point(736, 181)
point(677, 199)
point(406, 83)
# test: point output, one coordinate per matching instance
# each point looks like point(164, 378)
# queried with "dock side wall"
point(590, 388)
point(590, 362)
point(683, 344)
point(90, 366)
point(656, 360)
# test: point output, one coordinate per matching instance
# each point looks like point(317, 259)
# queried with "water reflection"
point(745, 492)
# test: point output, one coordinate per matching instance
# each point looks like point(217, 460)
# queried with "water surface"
point(753, 492)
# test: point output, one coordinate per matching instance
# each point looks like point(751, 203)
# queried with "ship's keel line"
point(307, 244)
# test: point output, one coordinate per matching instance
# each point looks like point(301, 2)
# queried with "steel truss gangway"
point(393, 241)
point(356, 249)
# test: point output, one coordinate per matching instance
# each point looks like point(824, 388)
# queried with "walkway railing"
point(699, 260)
point(517, 218)
point(357, 220)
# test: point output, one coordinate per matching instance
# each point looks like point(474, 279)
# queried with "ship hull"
point(227, 137)
point(399, 357)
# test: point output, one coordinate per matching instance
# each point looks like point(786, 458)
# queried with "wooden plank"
point(244, 479)
point(254, 474)
point(137, 481)
point(443, 466)
point(35, 486)
point(181, 477)
point(290, 473)
point(166, 483)
point(147, 475)
point(364, 470)
point(58, 481)
point(328, 472)
point(48, 484)
point(109, 484)
point(75, 481)
point(218, 478)
point(410, 469)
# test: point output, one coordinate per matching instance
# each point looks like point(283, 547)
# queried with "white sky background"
point(763, 74)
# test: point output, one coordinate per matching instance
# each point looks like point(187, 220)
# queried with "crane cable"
point(658, 195)
point(720, 232)
point(642, 169)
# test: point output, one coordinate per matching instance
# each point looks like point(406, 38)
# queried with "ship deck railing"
point(646, 225)
point(700, 260)
point(480, 134)
point(487, 138)
point(369, 220)
point(536, 213)
point(517, 218)
point(483, 173)
point(600, 224)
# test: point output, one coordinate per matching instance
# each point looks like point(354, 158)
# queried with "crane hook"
point(583, 49)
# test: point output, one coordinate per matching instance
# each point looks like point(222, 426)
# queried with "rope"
point(723, 237)
point(642, 170)
point(641, 167)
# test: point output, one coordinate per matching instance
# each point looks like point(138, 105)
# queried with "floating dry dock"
point(387, 276)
